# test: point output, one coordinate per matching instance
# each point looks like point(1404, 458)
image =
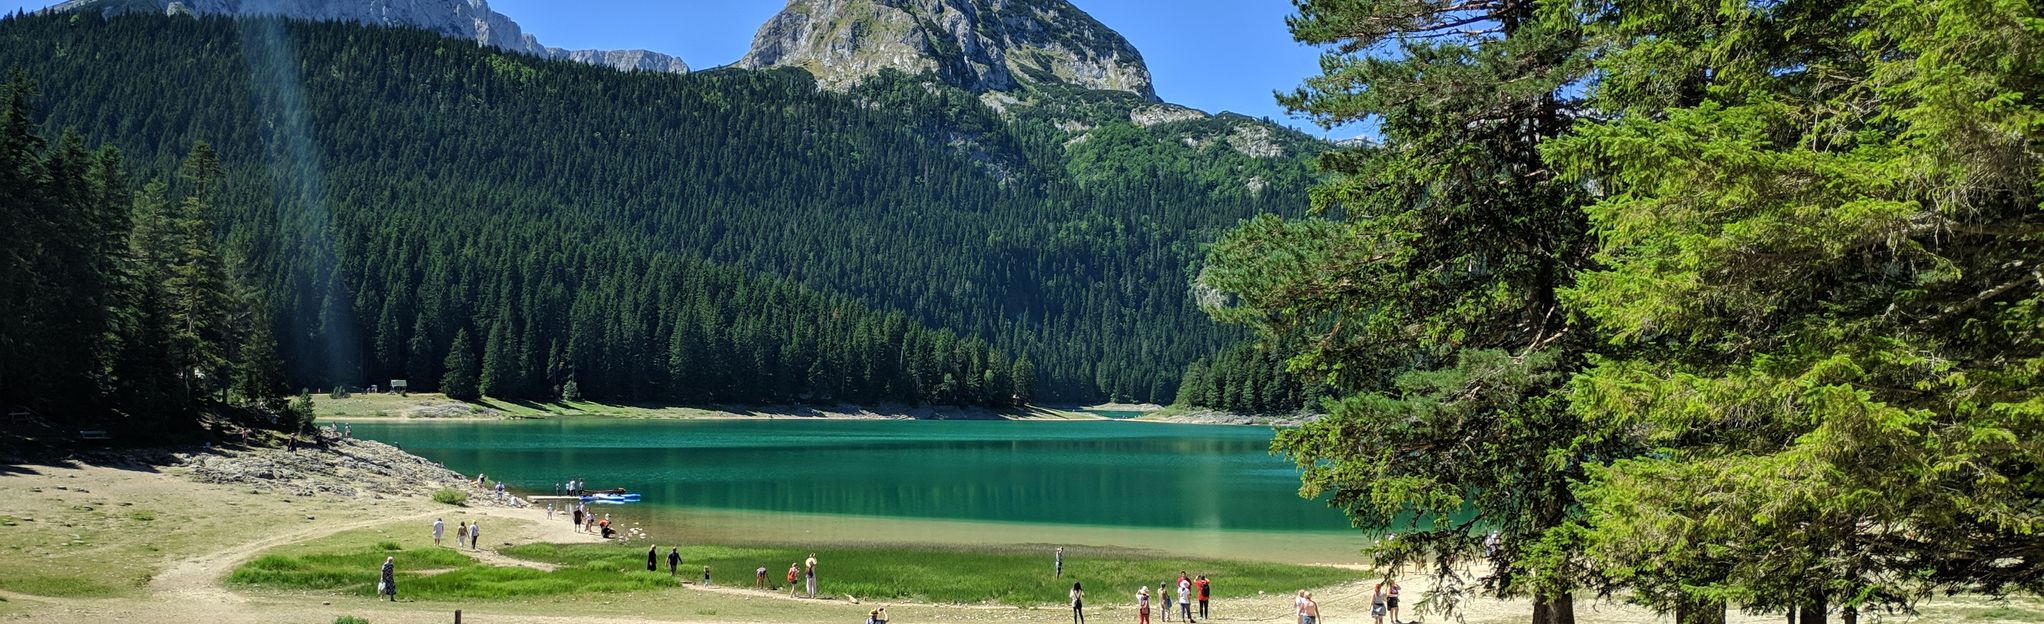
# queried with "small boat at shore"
point(616, 497)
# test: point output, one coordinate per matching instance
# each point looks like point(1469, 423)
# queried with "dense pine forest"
point(404, 203)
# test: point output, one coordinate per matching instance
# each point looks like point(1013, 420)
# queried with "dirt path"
point(202, 578)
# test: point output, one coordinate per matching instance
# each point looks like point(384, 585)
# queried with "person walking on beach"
point(674, 562)
point(1059, 561)
point(809, 573)
point(388, 584)
point(1377, 605)
point(1205, 591)
point(1299, 606)
point(759, 578)
point(792, 569)
point(475, 534)
point(439, 529)
point(1390, 589)
point(1078, 604)
point(1309, 611)
point(1184, 598)
point(653, 558)
point(1142, 604)
point(1164, 596)
point(578, 517)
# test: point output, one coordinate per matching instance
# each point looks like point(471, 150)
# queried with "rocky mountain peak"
point(471, 20)
point(980, 45)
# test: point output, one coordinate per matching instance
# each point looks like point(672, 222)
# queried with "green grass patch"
point(59, 586)
point(349, 619)
point(2004, 613)
point(1013, 576)
point(450, 496)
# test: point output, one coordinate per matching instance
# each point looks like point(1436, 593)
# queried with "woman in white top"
point(1078, 604)
point(1142, 604)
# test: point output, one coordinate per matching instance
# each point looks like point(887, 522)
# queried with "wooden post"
point(457, 616)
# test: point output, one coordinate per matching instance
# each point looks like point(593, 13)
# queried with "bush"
point(388, 545)
point(451, 496)
point(349, 619)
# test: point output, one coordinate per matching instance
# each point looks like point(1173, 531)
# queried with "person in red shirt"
point(1205, 591)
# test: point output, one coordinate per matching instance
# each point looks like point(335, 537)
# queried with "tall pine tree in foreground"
point(1427, 297)
point(1821, 258)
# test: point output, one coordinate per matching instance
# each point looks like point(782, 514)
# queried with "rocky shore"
point(349, 468)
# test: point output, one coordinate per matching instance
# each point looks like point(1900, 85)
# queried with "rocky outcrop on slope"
point(980, 45)
point(470, 20)
point(343, 468)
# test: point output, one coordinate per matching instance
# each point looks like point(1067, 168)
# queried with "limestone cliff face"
point(460, 19)
point(980, 45)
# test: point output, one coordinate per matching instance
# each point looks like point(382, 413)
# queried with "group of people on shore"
point(469, 532)
point(588, 522)
point(1190, 588)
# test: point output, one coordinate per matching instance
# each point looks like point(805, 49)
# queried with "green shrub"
point(349, 619)
point(451, 496)
point(388, 545)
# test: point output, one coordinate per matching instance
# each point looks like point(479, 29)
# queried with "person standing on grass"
point(759, 578)
point(388, 585)
point(475, 534)
point(653, 558)
point(1059, 561)
point(460, 534)
point(439, 529)
point(1078, 604)
point(1205, 591)
point(792, 569)
point(1184, 598)
point(1299, 606)
point(1142, 604)
point(1165, 597)
point(1309, 612)
point(706, 576)
point(809, 573)
point(674, 562)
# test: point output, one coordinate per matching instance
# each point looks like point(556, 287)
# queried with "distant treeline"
point(1248, 379)
point(391, 190)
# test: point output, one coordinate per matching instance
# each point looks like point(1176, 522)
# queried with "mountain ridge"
point(980, 45)
point(472, 20)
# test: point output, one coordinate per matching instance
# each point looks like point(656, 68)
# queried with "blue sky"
point(1214, 55)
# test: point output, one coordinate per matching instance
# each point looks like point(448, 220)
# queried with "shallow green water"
point(906, 479)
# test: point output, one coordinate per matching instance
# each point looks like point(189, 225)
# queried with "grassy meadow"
point(908, 573)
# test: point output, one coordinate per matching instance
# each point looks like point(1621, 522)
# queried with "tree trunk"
point(1813, 613)
point(1700, 611)
point(1848, 615)
point(1554, 609)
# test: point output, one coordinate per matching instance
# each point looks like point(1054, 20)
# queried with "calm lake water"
point(1208, 490)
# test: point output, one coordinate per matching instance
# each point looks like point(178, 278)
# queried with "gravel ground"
point(349, 468)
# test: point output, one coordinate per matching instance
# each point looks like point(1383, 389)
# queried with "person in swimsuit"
point(1309, 613)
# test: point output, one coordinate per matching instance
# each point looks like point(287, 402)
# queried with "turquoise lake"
point(1213, 490)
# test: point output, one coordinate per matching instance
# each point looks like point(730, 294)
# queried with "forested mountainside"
point(393, 188)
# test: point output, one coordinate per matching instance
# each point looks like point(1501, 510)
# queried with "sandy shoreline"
point(162, 536)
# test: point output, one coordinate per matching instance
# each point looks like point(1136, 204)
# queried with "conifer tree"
point(460, 380)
